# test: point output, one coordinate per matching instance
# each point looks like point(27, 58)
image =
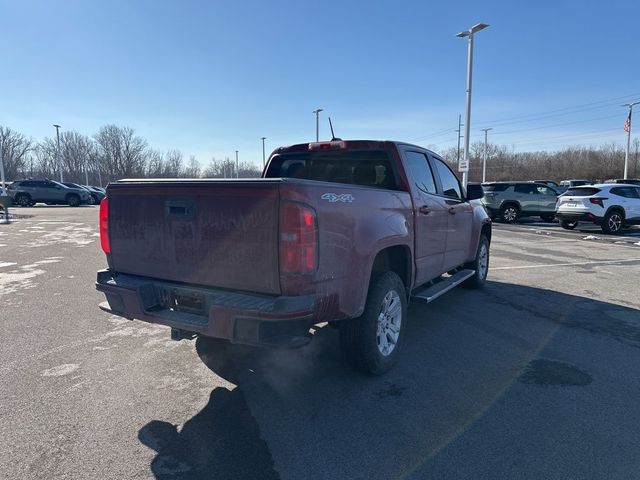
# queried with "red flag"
point(627, 124)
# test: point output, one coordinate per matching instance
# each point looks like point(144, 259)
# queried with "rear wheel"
point(480, 265)
point(613, 222)
point(73, 200)
point(373, 340)
point(509, 213)
point(23, 199)
point(568, 225)
point(548, 217)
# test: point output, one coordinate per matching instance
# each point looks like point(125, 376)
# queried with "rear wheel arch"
point(616, 208)
point(486, 231)
point(395, 259)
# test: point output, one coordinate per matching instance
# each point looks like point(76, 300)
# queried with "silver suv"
point(509, 201)
point(28, 192)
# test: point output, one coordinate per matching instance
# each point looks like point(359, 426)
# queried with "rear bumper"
point(245, 318)
point(579, 217)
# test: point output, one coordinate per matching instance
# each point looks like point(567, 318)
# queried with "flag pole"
point(627, 128)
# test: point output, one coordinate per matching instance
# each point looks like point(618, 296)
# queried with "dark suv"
point(509, 201)
point(28, 192)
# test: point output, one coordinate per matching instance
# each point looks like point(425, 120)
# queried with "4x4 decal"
point(334, 197)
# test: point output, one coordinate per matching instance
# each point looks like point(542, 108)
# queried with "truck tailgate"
point(217, 233)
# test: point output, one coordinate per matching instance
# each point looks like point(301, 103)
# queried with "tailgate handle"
point(180, 208)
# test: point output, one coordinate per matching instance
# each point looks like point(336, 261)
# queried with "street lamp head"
point(318, 110)
point(263, 138)
point(476, 28)
point(57, 126)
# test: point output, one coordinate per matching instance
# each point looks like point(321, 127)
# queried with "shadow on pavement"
point(307, 414)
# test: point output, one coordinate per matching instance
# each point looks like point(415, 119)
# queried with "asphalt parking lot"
point(536, 376)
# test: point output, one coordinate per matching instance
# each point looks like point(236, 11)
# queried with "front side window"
point(450, 184)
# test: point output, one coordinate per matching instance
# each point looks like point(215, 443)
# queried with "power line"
point(557, 125)
point(555, 112)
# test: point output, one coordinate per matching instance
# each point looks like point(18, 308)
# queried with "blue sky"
point(210, 77)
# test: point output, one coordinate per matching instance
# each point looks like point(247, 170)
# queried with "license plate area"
point(188, 302)
point(572, 204)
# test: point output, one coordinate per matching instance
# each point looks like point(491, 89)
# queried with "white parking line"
point(596, 262)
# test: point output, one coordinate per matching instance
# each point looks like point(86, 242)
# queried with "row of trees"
point(117, 152)
point(599, 163)
point(114, 152)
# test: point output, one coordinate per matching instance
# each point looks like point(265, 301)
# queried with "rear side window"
point(627, 192)
point(450, 184)
point(582, 191)
point(526, 188)
point(368, 168)
point(420, 172)
point(496, 187)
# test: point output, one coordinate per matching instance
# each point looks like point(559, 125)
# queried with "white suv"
point(610, 206)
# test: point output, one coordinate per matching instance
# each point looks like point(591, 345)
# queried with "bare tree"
point(193, 169)
point(14, 147)
point(121, 152)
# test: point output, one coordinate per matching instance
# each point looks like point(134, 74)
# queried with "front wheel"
point(23, 199)
point(73, 200)
point(509, 213)
point(373, 340)
point(480, 265)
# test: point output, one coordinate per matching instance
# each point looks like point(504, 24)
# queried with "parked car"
point(94, 197)
point(574, 183)
point(612, 206)
point(627, 181)
point(28, 192)
point(339, 231)
point(510, 201)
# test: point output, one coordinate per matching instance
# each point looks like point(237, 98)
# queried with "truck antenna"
point(333, 136)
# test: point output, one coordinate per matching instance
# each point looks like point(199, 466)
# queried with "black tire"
point(92, 200)
point(509, 213)
point(360, 337)
point(548, 217)
point(613, 222)
point(23, 199)
point(568, 225)
point(73, 200)
point(480, 265)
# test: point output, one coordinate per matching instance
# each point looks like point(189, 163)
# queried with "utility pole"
point(459, 136)
point(264, 161)
point(464, 166)
point(237, 165)
point(58, 151)
point(484, 160)
point(317, 112)
point(627, 128)
point(2, 166)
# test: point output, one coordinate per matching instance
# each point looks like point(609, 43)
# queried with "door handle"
point(424, 209)
point(452, 210)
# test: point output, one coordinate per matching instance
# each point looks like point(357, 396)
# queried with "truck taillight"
point(298, 239)
point(104, 226)
point(332, 145)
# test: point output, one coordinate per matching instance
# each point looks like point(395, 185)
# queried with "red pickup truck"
point(344, 232)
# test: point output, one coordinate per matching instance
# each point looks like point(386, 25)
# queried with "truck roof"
point(352, 144)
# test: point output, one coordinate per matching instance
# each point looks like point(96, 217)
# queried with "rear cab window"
point(450, 183)
point(371, 168)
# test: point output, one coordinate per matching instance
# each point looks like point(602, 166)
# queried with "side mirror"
point(474, 191)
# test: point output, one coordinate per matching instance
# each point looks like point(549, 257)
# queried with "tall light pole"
point(464, 165)
point(264, 161)
point(2, 167)
point(627, 128)
point(484, 160)
point(237, 165)
point(317, 112)
point(58, 150)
